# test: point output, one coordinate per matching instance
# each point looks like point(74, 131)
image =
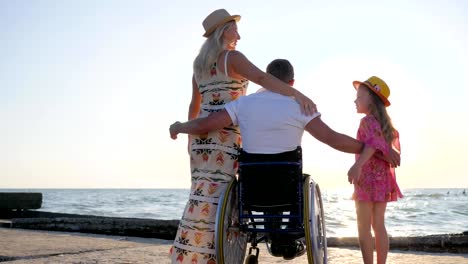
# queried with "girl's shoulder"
point(370, 124)
point(369, 120)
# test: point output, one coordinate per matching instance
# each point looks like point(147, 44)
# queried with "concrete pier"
point(20, 200)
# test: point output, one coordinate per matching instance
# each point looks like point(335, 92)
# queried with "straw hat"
point(216, 19)
point(378, 86)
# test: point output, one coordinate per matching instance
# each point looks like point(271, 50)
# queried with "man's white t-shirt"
point(269, 122)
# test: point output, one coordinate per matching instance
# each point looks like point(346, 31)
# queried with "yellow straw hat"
point(217, 18)
point(378, 86)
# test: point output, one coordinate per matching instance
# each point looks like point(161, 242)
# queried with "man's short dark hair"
point(281, 69)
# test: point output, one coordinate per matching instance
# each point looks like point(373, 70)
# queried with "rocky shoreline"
point(166, 229)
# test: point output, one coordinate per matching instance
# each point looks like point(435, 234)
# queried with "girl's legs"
point(381, 237)
point(364, 215)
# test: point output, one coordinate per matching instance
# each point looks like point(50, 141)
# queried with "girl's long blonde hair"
point(209, 52)
point(379, 111)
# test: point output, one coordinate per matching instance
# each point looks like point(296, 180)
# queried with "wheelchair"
point(270, 198)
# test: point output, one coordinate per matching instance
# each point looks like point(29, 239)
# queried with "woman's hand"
point(308, 107)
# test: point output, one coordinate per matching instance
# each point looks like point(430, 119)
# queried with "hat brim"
point(356, 85)
point(222, 22)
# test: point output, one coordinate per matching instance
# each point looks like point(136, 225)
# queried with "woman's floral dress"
point(378, 179)
point(213, 162)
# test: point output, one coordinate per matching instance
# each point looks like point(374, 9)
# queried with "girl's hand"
point(354, 174)
point(308, 107)
point(393, 157)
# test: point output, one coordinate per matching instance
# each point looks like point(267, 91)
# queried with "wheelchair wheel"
point(230, 242)
point(314, 223)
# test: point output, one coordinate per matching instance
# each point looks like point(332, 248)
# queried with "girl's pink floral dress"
point(378, 180)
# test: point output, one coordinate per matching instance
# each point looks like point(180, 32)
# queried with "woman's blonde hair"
point(209, 52)
point(379, 111)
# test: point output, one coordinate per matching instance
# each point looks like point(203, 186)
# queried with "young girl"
point(373, 178)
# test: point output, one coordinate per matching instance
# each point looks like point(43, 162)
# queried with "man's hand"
point(173, 130)
point(354, 174)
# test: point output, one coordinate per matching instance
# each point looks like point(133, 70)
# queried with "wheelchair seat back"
point(272, 184)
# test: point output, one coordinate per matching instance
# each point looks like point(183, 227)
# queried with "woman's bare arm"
point(242, 66)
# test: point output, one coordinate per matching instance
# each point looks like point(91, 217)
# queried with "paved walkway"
point(29, 246)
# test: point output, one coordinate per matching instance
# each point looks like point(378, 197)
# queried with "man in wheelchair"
point(271, 123)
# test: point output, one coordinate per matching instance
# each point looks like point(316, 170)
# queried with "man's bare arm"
point(201, 125)
point(318, 129)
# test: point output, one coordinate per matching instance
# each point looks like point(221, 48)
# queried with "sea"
point(421, 211)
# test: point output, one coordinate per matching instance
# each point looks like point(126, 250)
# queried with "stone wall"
point(20, 200)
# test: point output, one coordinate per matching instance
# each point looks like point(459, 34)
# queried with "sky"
point(89, 88)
